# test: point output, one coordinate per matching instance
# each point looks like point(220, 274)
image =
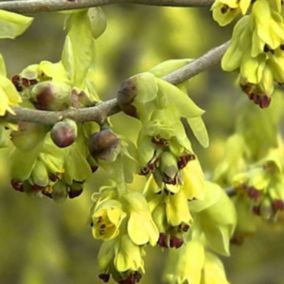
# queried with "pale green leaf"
point(12, 24)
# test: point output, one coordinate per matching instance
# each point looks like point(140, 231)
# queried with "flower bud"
point(169, 168)
point(104, 145)
point(59, 191)
point(97, 20)
point(126, 95)
point(64, 133)
point(51, 96)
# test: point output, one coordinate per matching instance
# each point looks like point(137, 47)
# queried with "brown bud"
point(126, 96)
point(104, 145)
point(64, 133)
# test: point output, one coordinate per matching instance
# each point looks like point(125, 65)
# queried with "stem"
point(101, 111)
point(32, 6)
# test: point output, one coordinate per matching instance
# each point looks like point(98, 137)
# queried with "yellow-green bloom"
point(106, 219)
point(213, 270)
point(193, 265)
point(193, 181)
point(128, 255)
point(225, 11)
point(268, 27)
point(140, 227)
point(9, 96)
point(215, 217)
point(185, 264)
point(177, 210)
point(122, 259)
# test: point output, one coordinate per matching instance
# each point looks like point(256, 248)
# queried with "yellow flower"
point(107, 218)
point(268, 26)
point(177, 210)
point(225, 11)
point(122, 259)
point(128, 256)
point(141, 227)
point(9, 96)
point(185, 264)
point(213, 270)
point(215, 216)
point(193, 181)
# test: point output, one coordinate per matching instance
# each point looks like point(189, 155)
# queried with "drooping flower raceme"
point(256, 48)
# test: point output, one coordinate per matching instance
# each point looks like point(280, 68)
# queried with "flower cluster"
point(175, 200)
point(125, 224)
point(263, 185)
point(256, 48)
point(192, 264)
point(13, 25)
point(253, 171)
point(56, 160)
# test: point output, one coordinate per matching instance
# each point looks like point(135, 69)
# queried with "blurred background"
point(43, 242)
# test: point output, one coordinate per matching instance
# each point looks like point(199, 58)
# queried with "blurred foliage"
point(45, 242)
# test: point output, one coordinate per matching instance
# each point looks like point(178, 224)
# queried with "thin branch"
point(101, 111)
point(211, 58)
point(32, 6)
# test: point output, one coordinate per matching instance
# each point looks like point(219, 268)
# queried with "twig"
point(32, 6)
point(211, 58)
point(99, 112)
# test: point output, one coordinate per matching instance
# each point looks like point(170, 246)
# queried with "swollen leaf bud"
point(126, 96)
point(51, 96)
point(104, 145)
point(64, 133)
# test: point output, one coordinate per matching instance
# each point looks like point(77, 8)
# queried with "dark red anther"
point(16, 80)
point(163, 240)
point(176, 242)
point(253, 193)
point(256, 210)
point(47, 194)
point(72, 193)
point(162, 142)
point(137, 275)
point(25, 82)
point(183, 160)
point(144, 171)
point(33, 82)
point(264, 101)
point(224, 9)
point(104, 277)
point(278, 204)
point(94, 168)
point(53, 177)
point(252, 96)
point(153, 164)
point(132, 278)
point(184, 227)
point(257, 99)
point(17, 185)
